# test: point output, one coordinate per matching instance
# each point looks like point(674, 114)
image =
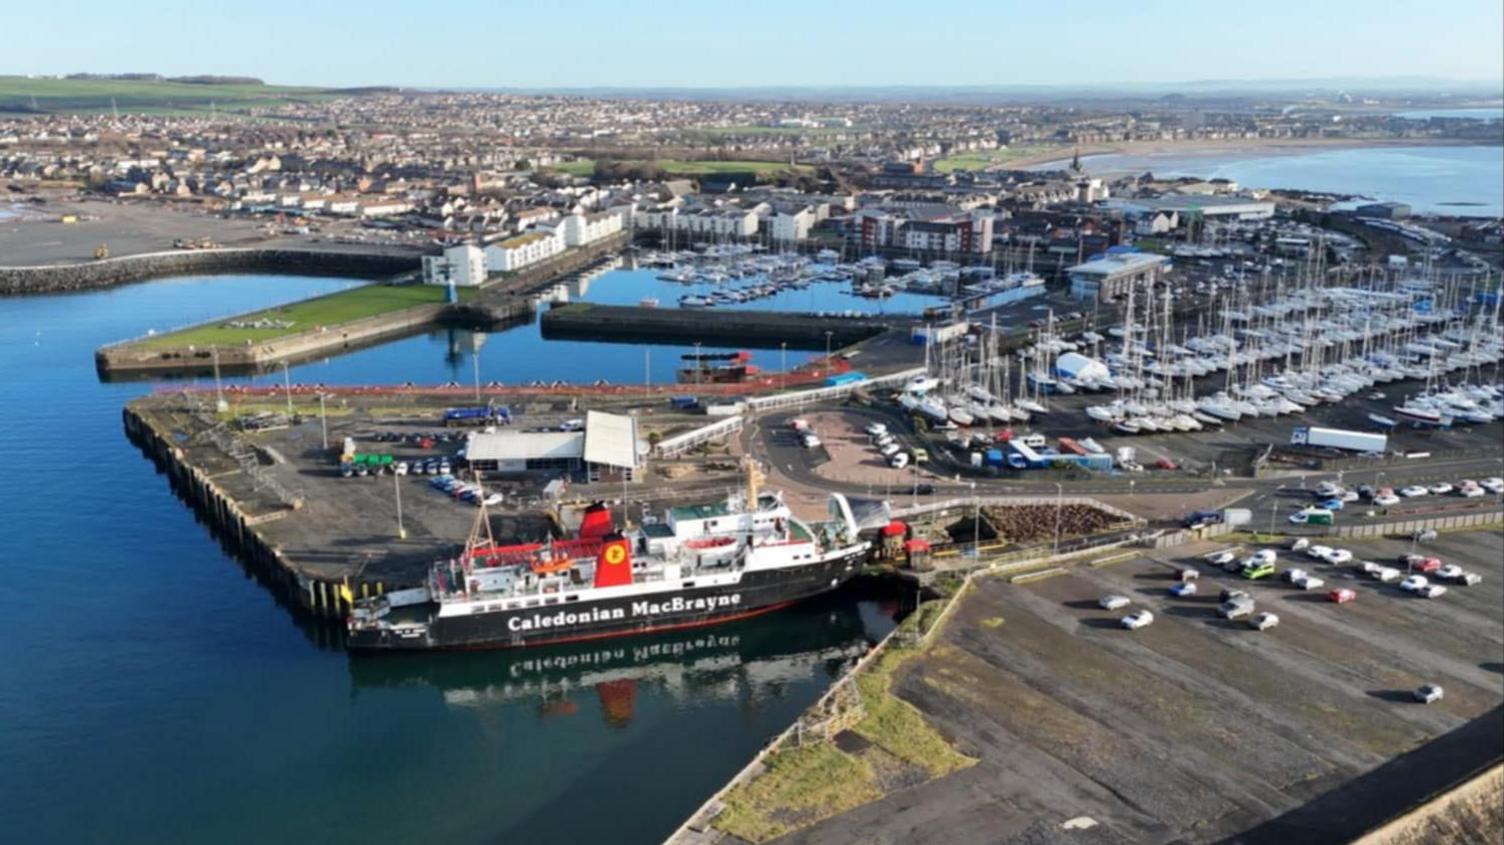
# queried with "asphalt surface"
point(1196, 729)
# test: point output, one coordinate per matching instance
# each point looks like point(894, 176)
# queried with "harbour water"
point(151, 691)
point(1458, 180)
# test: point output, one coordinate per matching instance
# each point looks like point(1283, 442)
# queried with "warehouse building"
point(1110, 276)
point(606, 450)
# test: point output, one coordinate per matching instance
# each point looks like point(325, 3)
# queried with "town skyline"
point(842, 45)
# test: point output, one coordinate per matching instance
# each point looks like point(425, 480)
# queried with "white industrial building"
point(1205, 207)
point(788, 226)
point(1110, 276)
point(607, 449)
point(464, 265)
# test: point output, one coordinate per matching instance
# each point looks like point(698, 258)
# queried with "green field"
point(22, 94)
point(985, 158)
point(342, 307)
point(578, 167)
point(678, 167)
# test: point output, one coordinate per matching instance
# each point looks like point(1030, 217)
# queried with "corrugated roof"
point(611, 440)
point(524, 445)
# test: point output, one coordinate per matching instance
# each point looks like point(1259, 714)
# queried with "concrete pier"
point(765, 329)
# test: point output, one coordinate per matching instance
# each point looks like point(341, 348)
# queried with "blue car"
point(1333, 504)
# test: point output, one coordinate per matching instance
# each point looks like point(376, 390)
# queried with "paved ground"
point(1195, 728)
point(35, 235)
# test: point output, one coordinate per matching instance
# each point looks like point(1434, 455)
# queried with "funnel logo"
point(613, 566)
point(616, 554)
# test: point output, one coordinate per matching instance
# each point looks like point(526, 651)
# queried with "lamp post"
point(287, 387)
point(1059, 496)
point(323, 421)
point(397, 487)
point(783, 365)
point(475, 361)
point(827, 351)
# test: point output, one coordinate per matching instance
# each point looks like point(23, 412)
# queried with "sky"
point(717, 43)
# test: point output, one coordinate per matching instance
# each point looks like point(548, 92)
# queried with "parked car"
point(1471, 491)
point(1310, 582)
point(1367, 491)
point(1255, 570)
point(1318, 551)
point(1342, 596)
point(1114, 602)
point(1183, 589)
point(1386, 500)
point(1263, 556)
point(1450, 572)
point(1138, 619)
point(1299, 544)
point(1292, 575)
point(1188, 574)
point(921, 456)
point(1440, 488)
point(1429, 694)
point(1470, 579)
point(1331, 504)
point(1413, 491)
point(1263, 621)
point(1222, 558)
point(1386, 574)
point(875, 429)
point(1229, 593)
point(1328, 489)
point(1414, 583)
point(1348, 496)
point(1237, 608)
point(924, 489)
point(1421, 563)
point(1432, 591)
point(1337, 556)
point(400, 468)
point(1492, 485)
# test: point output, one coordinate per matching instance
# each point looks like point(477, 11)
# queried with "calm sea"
point(1440, 180)
point(152, 692)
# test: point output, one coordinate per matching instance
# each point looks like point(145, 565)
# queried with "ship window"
point(688, 584)
point(571, 598)
point(531, 603)
point(551, 600)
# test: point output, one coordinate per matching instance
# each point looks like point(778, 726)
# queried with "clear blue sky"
point(757, 42)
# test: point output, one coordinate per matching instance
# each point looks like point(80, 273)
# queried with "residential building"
point(528, 248)
point(464, 265)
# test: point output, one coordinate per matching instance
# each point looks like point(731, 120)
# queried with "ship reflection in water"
point(741, 661)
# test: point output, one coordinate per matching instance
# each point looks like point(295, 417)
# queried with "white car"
point(400, 468)
point(1338, 556)
point(1348, 495)
point(1223, 557)
point(1138, 619)
point(889, 450)
point(1470, 579)
point(1114, 602)
point(493, 499)
point(1440, 488)
point(1263, 621)
point(1263, 556)
point(1318, 551)
point(811, 441)
point(876, 429)
point(1449, 572)
point(1386, 574)
point(1492, 485)
point(1432, 591)
point(1471, 492)
point(1412, 491)
point(1429, 694)
point(1293, 575)
point(1328, 489)
point(1386, 500)
point(1310, 582)
point(1184, 589)
point(1414, 583)
point(1299, 544)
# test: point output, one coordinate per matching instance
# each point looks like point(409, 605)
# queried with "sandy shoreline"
point(1237, 146)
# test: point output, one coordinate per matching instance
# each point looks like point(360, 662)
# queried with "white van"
point(899, 460)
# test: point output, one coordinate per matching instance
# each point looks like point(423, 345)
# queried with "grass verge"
point(801, 786)
point(330, 310)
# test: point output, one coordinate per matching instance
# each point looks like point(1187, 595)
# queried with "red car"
point(1165, 463)
point(1342, 596)
point(1420, 563)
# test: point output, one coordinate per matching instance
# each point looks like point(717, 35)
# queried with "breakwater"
point(61, 278)
point(133, 359)
point(764, 329)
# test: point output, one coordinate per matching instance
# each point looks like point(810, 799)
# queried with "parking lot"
point(1195, 728)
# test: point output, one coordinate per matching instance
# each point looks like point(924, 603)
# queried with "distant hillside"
point(146, 93)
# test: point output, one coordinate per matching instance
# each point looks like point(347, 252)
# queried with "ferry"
point(699, 565)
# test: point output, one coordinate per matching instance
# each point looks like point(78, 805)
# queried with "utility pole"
point(323, 421)
point(219, 387)
point(475, 360)
point(397, 486)
point(1059, 493)
point(783, 365)
point(827, 351)
point(287, 387)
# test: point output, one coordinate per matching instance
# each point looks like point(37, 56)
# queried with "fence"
point(681, 443)
point(1014, 501)
point(1410, 526)
point(801, 398)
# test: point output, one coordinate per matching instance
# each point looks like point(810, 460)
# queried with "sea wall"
point(57, 278)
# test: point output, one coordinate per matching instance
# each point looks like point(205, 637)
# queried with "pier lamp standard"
point(976, 522)
point(1059, 493)
point(828, 333)
point(287, 387)
point(783, 365)
point(1274, 510)
point(475, 360)
point(397, 486)
point(323, 420)
point(699, 371)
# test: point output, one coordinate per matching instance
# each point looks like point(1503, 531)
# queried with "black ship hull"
point(758, 592)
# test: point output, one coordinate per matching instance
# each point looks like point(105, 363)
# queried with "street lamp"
point(397, 486)
point(287, 387)
point(323, 420)
point(1059, 494)
point(827, 350)
point(976, 522)
point(783, 365)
